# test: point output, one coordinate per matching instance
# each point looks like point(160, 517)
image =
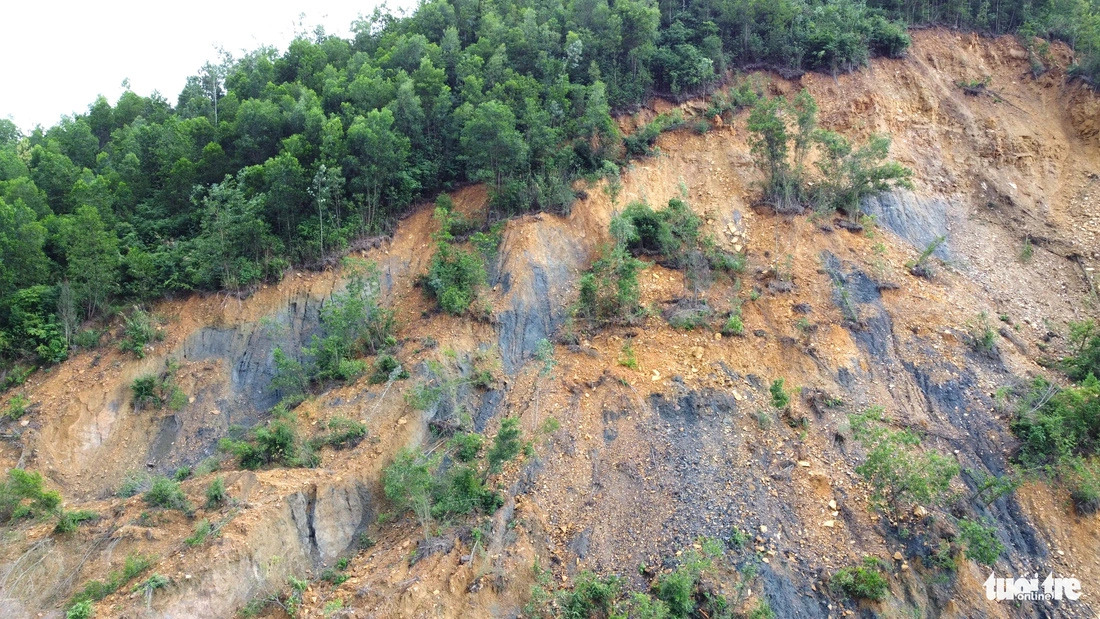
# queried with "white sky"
point(59, 56)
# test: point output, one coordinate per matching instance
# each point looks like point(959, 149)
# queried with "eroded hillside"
point(643, 461)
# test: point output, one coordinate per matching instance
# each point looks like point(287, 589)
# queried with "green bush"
point(780, 398)
point(980, 541)
point(342, 433)
point(467, 446)
point(1055, 424)
point(68, 521)
point(96, 590)
point(609, 291)
point(734, 325)
point(864, 582)
point(139, 329)
point(506, 444)
point(81, 610)
point(216, 494)
point(1085, 338)
point(461, 491)
point(453, 278)
point(23, 495)
point(17, 407)
point(591, 596)
point(1082, 478)
point(383, 369)
point(899, 472)
point(202, 531)
point(167, 494)
point(275, 443)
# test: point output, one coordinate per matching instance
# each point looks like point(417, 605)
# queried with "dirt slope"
point(645, 461)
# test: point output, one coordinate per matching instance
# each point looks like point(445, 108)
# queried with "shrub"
point(68, 521)
point(342, 433)
point(899, 472)
point(202, 531)
point(609, 291)
point(81, 610)
point(384, 370)
point(407, 483)
point(154, 391)
point(780, 398)
point(1085, 338)
point(17, 407)
point(591, 596)
point(980, 541)
point(23, 495)
point(139, 329)
point(467, 446)
point(506, 444)
point(628, 359)
point(133, 484)
point(182, 473)
point(1082, 477)
point(1055, 424)
point(96, 590)
point(275, 443)
point(980, 334)
point(454, 274)
point(460, 491)
point(216, 494)
point(734, 325)
point(864, 581)
point(167, 494)
point(849, 175)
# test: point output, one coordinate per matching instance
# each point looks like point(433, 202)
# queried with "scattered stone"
point(897, 556)
point(829, 523)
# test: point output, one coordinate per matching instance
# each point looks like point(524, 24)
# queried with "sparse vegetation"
point(609, 291)
point(69, 521)
point(981, 335)
point(343, 433)
point(216, 494)
point(167, 494)
point(24, 495)
point(275, 443)
point(899, 471)
point(627, 358)
point(81, 610)
point(782, 135)
point(921, 266)
point(202, 531)
point(780, 398)
point(386, 368)
point(96, 590)
point(980, 541)
point(157, 390)
point(862, 582)
point(454, 274)
point(420, 483)
point(138, 331)
point(17, 407)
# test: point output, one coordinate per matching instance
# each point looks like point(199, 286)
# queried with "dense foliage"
point(278, 158)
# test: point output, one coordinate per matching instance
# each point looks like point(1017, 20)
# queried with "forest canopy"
point(273, 158)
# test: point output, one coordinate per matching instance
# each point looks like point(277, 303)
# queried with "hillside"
point(644, 462)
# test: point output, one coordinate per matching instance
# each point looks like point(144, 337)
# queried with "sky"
point(59, 56)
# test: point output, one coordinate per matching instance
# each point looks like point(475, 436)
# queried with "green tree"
point(22, 238)
point(380, 155)
point(493, 147)
point(235, 248)
point(93, 259)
